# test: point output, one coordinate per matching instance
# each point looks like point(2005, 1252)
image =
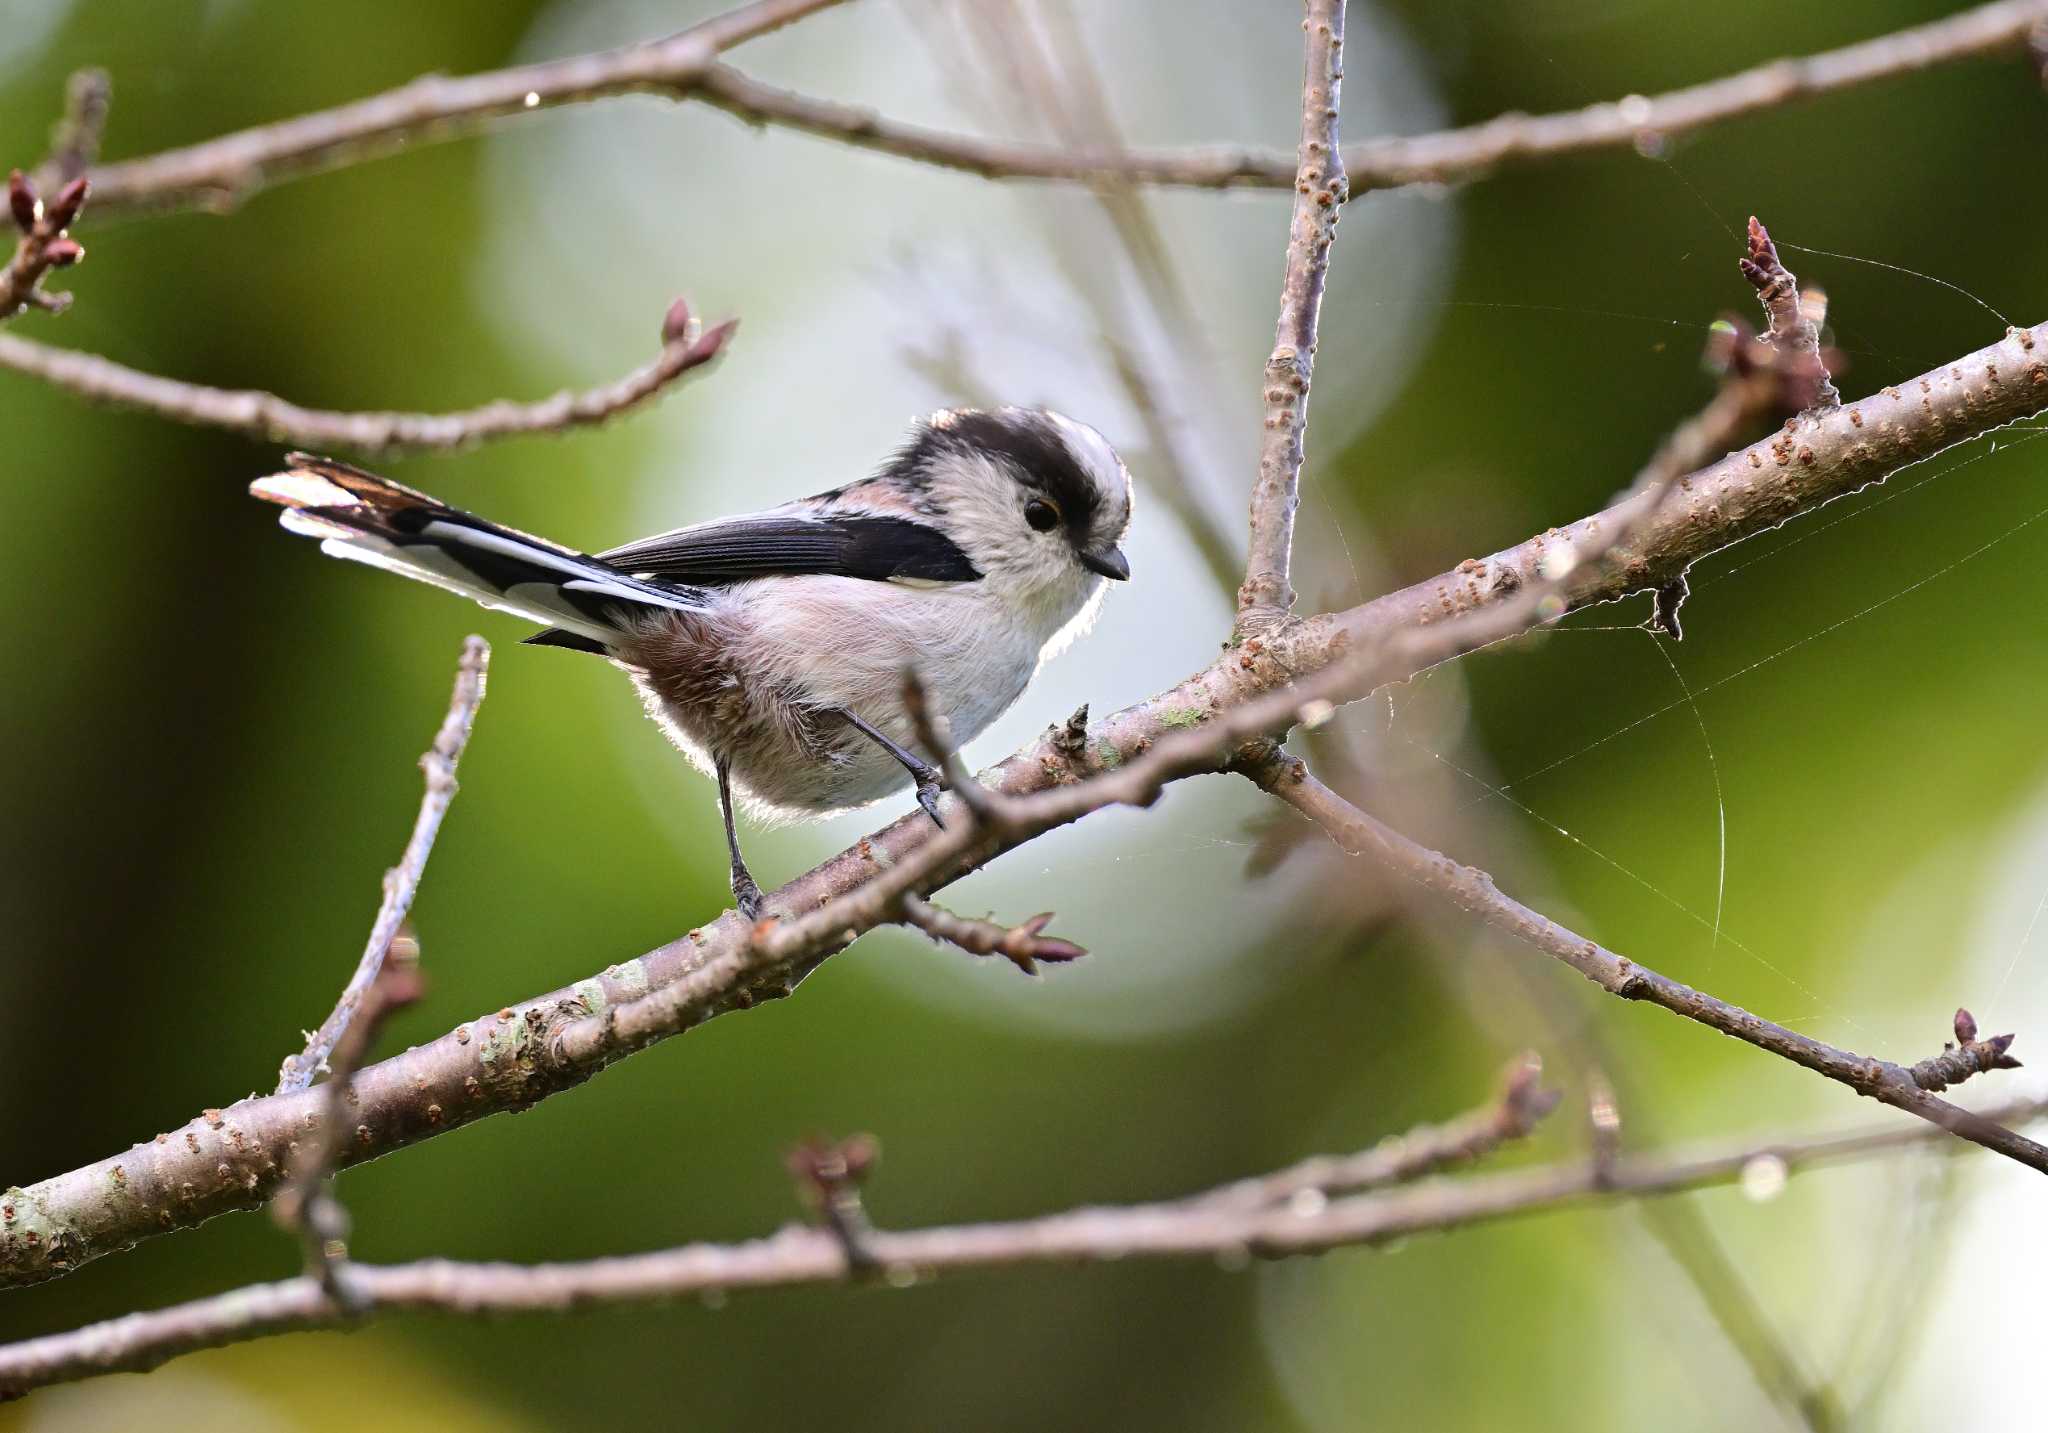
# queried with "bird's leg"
point(744, 891)
point(922, 772)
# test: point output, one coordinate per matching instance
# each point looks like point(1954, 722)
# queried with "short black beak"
point(1111, 563)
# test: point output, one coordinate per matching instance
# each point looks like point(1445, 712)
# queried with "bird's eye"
point(1042, 515)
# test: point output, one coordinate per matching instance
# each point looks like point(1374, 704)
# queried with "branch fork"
point(45, 244)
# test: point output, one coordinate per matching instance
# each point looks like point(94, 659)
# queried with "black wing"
point(798, 544)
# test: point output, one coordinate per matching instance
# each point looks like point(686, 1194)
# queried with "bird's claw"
point(928, 797)
point(747, 896)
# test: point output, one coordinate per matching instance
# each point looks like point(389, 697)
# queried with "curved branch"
point(231, 1159)
point(1217, 1226)
point(1474, 890)
point(1391, 163)
point(219, 173)
point(270, 418)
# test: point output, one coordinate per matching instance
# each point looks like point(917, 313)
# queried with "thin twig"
point(1022, 945)
point(829, 1174)
point(984, 806)
point(272, 419)
point(1051, 87)
point(75, 142)
point(1319, 189)
point(1645, 123)
point(306, 1205)
point(1429, 1149)
point(1795, 321)
point(402, 881)
point(219, 173)
point(804, 1255)
point(1474, 890)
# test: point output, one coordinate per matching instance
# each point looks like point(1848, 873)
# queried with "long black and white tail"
point(364, 518)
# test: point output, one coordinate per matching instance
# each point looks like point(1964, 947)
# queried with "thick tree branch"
point(1474, 890)
point(219, 173)
point(272, 419)
point(402, 881)
point(524, 1053)
point(1191, 1228)
point(1267, 595)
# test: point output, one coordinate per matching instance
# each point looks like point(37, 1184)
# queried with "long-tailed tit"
point(772, 647)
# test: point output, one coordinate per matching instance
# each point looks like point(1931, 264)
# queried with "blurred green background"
point(210, 730)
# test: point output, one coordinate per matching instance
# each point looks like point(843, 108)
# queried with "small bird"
point(772, 647)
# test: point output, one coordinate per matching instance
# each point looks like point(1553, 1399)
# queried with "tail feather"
point(364, 518)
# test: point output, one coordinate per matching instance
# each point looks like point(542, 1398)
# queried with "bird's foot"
point(928, 790)
point(747, 895)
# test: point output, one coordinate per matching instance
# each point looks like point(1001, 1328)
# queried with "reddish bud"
point(1761, 249)
point(21, 198)
point(63, 253)
point(63, 210)
point(1966, 1027)
point(709, 343)
point(677, 323)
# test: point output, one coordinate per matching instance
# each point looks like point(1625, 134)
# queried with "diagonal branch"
point(1201, 1228)
point(219, 173)
point(1474, 890)
point(527, 1052)
point(1319, 189)
point(402, 881)
point(1814, 459)
point(272, 419)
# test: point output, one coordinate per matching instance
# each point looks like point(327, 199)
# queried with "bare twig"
point(984, 806)
point(1966, 1057)
point(511, 1059)
point(1474, 890)
point(1040, 79)
point(306, 1205)
point(829, 1174)
point(1319, 188)
point(1637, 121)
point(272, 419)
point(75, 142)
point(1022, 945)
point(1189, 1228)
point(44, 245)
point(402, 881)
point(1776, 1366)
point(1428, 1149)
point(1795, 322)
point(219, 173)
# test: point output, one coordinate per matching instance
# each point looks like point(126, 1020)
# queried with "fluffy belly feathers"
point(759, 684)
